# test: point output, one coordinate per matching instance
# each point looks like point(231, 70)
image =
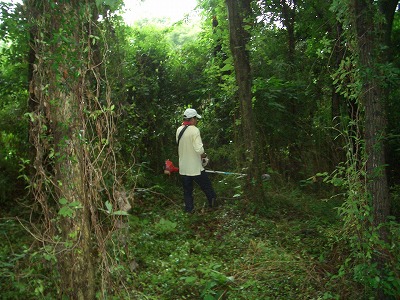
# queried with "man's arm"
point(198, 143)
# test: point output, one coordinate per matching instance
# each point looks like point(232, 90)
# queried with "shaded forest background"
point(306, 91)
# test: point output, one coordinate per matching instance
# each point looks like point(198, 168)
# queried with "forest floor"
point(284, 249)
point(236, 251)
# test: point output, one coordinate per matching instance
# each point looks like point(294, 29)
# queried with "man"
point(191, 152)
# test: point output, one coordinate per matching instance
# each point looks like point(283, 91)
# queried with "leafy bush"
point(27, 271)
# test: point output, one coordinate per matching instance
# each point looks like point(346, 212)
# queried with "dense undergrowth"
point(240, 250)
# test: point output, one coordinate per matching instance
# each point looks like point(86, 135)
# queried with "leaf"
point(227, 68)
point(209, 297)
point(190, 279)
point(66, 211)
point(30, 115)
point(75, 204)
point(63, 201)
point(120, 213)
point(51, 154)
point(109, 207)
point(165, 225)
point(99, 3)
point(322, 174)
point(113, 4)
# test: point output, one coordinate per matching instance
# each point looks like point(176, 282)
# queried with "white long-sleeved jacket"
point(190, 150)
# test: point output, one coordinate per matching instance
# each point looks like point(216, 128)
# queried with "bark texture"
point(239, 15)
point(67, 143)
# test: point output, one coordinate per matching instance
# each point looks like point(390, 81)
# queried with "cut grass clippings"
point(228, 253)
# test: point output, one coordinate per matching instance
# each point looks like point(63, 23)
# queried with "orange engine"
point(169, 167)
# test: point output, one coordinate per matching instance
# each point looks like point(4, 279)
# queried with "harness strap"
point(181, 133)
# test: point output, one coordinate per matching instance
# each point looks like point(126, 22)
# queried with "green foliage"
point(165, 226)
point(26, 272)
point(231, 252)
point(13, 94)
point(368, 242)
point(113, 5)
point(159, 80)
point(285, 249)
point(364, 241)
point(68, 209)
point(361, 267)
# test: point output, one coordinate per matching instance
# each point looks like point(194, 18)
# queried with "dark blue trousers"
point(204, 183)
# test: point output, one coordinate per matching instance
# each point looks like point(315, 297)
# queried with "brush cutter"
point(170, 168)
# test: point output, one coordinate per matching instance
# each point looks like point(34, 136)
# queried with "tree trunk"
point(76, 265)
point(388, 9)
point(369, 43)
point(239, 14)
point(370, 39)
point(65, 185)
point(288, 13)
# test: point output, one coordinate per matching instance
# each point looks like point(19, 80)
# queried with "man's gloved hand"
point(204, 161)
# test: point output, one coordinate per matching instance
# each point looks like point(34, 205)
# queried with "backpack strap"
point(181, 133)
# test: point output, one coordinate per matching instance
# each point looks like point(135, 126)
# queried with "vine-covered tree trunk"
point(372, 34)
point(239, 14)
point(59, 93)
point(71, 130)
point(370, 40)
point(369, 45)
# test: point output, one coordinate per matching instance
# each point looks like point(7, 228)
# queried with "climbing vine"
point(75, 179)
